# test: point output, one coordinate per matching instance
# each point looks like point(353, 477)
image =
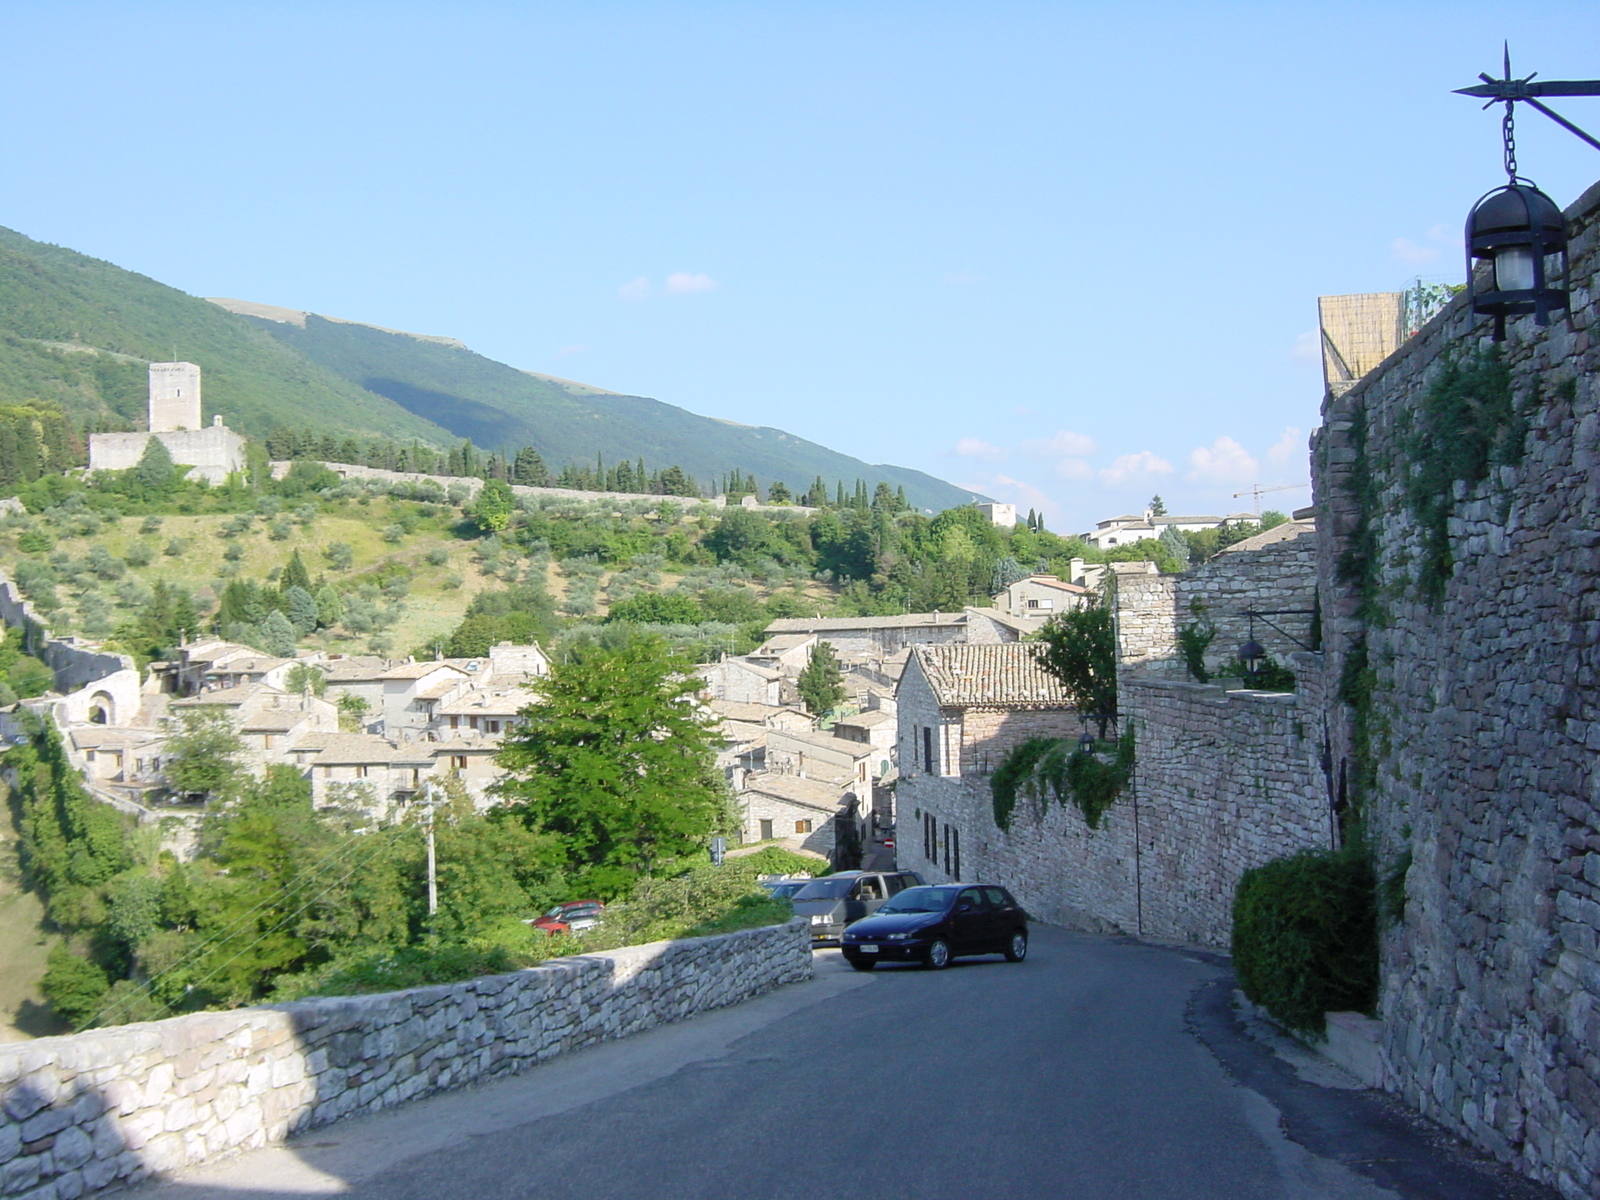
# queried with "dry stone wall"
point(1226, 781)
point(108, 1107)
point(1471, 717)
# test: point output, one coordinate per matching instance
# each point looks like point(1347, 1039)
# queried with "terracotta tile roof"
point(1286, 532)
point(1003, 674)
point(489, 701)
point(227, 697)
point(418, 670)
point(808, 792)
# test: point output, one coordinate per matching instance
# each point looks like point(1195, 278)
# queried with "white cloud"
point(1064, 444)
point(1287, 448)
point(1135, 466)
point(1307, 348)
point(971, 447)
point(684, 283)
point(639, 289)
point(1073, 468)
point(1408, 251)
point(1224, 461)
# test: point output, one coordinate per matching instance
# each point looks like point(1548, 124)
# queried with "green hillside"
point(502, 408)
point(79, 331)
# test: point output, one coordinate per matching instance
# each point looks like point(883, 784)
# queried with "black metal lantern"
point(1086, 741)
point(1251, 656)
point(1516, 255)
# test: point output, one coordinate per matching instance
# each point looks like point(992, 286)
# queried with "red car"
point(571, 916)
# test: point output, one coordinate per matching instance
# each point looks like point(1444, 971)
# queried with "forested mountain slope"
point(502, 408)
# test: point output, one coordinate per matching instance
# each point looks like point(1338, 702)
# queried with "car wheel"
point(860, 963)
point(937, 956)
point(1017, 947)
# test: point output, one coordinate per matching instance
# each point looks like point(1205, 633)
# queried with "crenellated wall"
point(1470, 720)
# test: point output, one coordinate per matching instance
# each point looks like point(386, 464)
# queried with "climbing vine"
point(1041, 767)
point(1194, 639)
point(1467, 424)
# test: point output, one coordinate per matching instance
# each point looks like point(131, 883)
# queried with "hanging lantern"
point(1516, 255)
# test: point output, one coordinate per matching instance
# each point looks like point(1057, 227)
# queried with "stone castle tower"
point(211, 453)
point(174, 396)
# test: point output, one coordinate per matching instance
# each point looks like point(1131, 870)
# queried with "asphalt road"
point(1100, 1069)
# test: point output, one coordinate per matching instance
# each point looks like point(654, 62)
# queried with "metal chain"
point(1508, 131)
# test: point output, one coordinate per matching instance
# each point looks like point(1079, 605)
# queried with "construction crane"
point(1258, 491)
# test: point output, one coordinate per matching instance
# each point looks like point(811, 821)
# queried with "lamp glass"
point(1513, 269)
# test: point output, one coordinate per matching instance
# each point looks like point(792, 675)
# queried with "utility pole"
point(431, 800)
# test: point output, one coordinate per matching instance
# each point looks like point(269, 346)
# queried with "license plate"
point(867, 949)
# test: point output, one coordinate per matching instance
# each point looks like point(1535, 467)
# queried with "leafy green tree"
point(306, 679)
point(330, 609)
point(203, 753)
point(295, 574)
point(658, 608)
point(303, 612)
point(1176, 543)
point(155, 474)
point(339, 555)
point(616, 762)
point(74, 985)
point(1157, 506)
point(820, 685)
point(353, 710)
point(1079, 648)
point(494, 506)
point(277, 635)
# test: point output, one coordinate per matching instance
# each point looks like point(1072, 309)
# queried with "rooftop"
point(1285, 532)
point(1005, 674)
point(807, 792)
point(839, 624)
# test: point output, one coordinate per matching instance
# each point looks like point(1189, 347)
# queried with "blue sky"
point(1065, 253)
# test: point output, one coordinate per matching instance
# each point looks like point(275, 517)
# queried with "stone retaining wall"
point(110, 1106)
point(1226, 781)
point(1474, 753)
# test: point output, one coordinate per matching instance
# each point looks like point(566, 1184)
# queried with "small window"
point(361, 771)
point(458, 761)
point(927, 749)
point(997, 897)
point(766, 830)
point(802, 826)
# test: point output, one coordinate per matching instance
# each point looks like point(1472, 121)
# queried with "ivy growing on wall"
point(1467, 424)
point(1041, 767)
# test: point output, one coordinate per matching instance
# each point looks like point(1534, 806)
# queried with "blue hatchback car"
point(935, 924)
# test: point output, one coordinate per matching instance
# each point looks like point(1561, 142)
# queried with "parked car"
point(832, 902)
point(570, 916)
point(933, 925)
point(783, 889)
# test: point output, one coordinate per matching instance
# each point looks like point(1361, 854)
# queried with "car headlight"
point(900, 937)
point(819, 918)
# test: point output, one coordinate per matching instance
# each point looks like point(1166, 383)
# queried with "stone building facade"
point(1465, 617)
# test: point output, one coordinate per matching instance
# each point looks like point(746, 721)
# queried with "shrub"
point(150, 526)
point(1305, 936)
point(36, 541)
point(140, 554)
point(175, 548)
point(438, 556)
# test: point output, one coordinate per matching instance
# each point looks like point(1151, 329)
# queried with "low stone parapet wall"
point(109, 1106)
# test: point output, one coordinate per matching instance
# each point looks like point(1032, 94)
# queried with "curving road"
point(1101, 1069)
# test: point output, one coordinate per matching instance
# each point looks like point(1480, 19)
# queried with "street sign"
point(719, 850)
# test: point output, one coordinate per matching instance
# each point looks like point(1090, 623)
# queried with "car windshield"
point(826, 889)
point(921, 900)
point(784, 891)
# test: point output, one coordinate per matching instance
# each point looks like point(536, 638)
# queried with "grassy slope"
point(52, 298)
point(500, 407)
